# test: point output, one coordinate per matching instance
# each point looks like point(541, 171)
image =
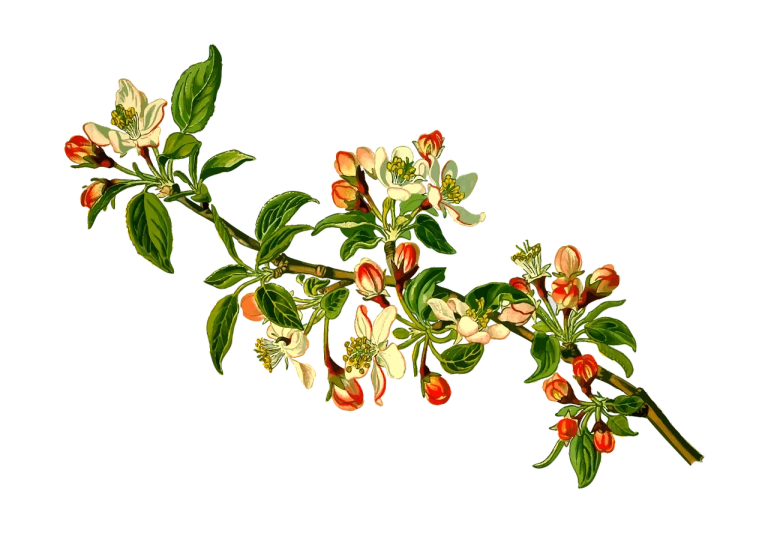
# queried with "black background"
point(54, 272)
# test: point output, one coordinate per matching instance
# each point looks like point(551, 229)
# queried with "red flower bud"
point(558, 390)
point(585, 368)
point(407, 257)
point(346, 196)
point(81, 150)
point(348, 398)
point(604, 440)
point(346, 164)
point(369, 278)
point(430, 145)
point(92, 193)
point(520, 284)
point(604, 280)
point(566, 292)
point(567, 428)
point(437, 389)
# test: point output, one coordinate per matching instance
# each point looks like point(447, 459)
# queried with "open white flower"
point(289, 343)
point(446, 191)
point(371, 348)
point(402, 176)
point(136, 120)
point(470, 323)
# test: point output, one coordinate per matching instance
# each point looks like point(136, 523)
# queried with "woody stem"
point(655, 416)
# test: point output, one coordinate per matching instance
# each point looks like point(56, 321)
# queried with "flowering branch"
point(433, 320)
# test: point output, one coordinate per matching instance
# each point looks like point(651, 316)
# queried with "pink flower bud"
point(349, 398)
point(80, 151)
point(437, 389)
point(566, 293)
point(604, 280)
point(407, 257)
point(369, 278)
point(568, 261)
point(346, 164)
point(430, 145)
point(250, 308)
point(91, 194)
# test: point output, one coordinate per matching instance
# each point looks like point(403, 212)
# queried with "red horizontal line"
point(273, 432)
point(272, 452)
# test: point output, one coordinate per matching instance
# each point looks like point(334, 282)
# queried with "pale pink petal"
point(97, 134)
point(464, 217)
point(151, 139)
point(434, 196)
point(383, 324)
point(441, 309)
point(305, 372)
point(392, 359)
point(379, 383)
point(121, 142)
point(363, 327)
point(367, 159)
point(404, 153)
point(153, 116)
point(481, 337)
point(459, 306)
point(400, 194)
point(298, 345)
point(498, 331)
point(129, 96)
point(467, 326)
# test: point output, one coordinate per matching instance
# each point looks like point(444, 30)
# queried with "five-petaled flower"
point(289, 343)
point(401, 176)
point(448, 189)
point(136, 120)
point(472, 324)
point(430, 145)
point(371, 349)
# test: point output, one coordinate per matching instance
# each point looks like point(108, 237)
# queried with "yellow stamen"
point(360, 352)
point(451, 191)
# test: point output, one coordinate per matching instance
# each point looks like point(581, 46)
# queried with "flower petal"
point(457, 305)
point(466, 183)
point(298, 345)
point(434, 196)
point(404, 153)
point(467, 326)
point(363, 327)
point(392, 359)
point(449, 171)
point(129, 96)
point(306, 373)
point(464, 217)
point(399, 194)
point(380, 165)
point(481, 337)
point(441, 309)
point(98, 135)
point(383, 324)
point(367, 159)
point(153, 116)
point(150, 139)
point(121, 142)
point(498, 331)
point(379, 381)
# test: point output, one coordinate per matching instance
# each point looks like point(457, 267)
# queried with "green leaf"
point(571, 410)
point(106, 198)
point(545, 350)
point(428, 231)
point(413, 202)
point(149, 228)
point(333, 302)
point(360, 240)
point(599, 309)
point(226, 238)
point(420, 289)
point(615, 355)
point(541, 326)
point(411, 340)
point(278, 211)
point(627, 405)
point(492, 295)
point(611, 331)
point(401, 333)
point(619, 425)
point(559, 445)
point(227, 276)
point(585, 459)
point(224, 162)
point(462, 358)
point(221, 327)
point(278, 306)
point(179, 146)
point(278, 242)
point(194, 96)
point(352, 219)
point(202, 194)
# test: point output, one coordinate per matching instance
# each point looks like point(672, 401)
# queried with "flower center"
point(126, 120)
point(360, 352)
point(482, 320)
point(529, 259)
point(269, 353)
point(451, 191)
point(402, 170)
